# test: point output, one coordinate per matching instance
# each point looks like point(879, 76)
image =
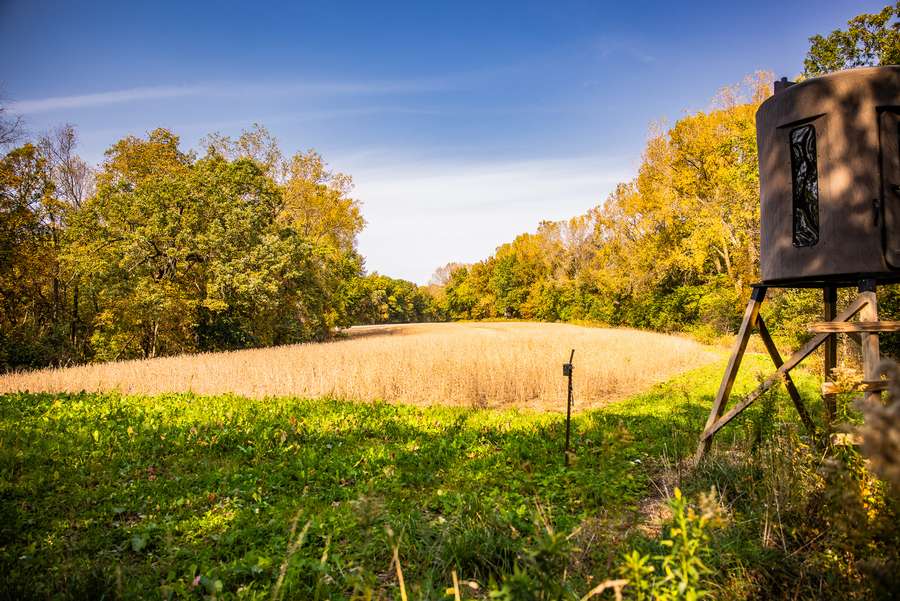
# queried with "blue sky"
point(462, 124)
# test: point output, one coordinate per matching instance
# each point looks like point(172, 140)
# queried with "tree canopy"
point(161, 251)
point(869, 40)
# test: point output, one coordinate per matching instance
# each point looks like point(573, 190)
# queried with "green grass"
point(182, 496)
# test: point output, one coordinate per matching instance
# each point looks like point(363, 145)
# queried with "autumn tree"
point(467, 295)
point(31, 297)
point(72, 177)
point(676, 245)
point(317, 202)
point(256, 143)
point(441, 276)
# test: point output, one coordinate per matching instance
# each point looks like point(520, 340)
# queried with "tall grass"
point(468, 364)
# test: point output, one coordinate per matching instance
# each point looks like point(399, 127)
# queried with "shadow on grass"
point(108, 495)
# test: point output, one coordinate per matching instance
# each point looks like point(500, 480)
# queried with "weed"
point(183, 496)
point(680, 571)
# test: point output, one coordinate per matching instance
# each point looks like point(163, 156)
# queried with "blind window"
point(805, 179)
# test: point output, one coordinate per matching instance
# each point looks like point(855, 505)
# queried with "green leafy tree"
point(378, 299)
point(181, 254)
point(868, 40)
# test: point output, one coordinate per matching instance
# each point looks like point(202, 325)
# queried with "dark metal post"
point(567, 371)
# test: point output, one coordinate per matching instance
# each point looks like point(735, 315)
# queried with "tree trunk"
point(74, 319)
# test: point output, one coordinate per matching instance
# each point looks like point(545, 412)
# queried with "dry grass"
point(473, 364)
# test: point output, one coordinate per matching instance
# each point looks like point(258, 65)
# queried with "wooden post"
point(864, 302)
point(856, 339)
point(788, 381)
point(799, 355)
point(870, 352)
point(830, 298)
point(734, 363)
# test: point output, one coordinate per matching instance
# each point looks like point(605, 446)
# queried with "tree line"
point(161, 251)
point(677, 247)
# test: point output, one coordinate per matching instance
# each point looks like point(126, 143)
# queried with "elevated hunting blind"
point(829, 175)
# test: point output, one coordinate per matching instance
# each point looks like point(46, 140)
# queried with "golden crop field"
point(507, 364)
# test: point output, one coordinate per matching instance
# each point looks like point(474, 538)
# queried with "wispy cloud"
point(53, 103)
point(232, 90)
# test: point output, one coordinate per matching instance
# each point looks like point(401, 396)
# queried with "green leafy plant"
point(679, 572)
